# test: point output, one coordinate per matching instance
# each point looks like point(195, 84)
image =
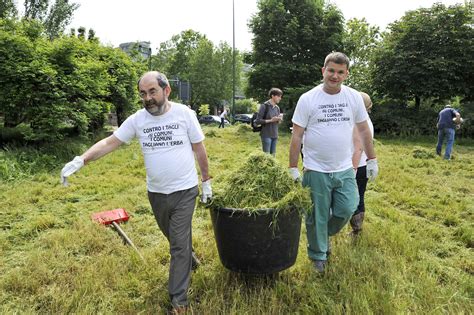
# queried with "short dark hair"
point(337, 57)
point(160, 78)
point(275, 91)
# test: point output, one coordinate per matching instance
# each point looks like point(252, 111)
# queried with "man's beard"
point(156, 108)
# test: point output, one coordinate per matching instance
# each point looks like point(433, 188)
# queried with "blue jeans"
point(442, 134)
point(269, 145)
point(221, 125)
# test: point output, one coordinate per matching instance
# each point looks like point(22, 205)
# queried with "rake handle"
point(126, 238)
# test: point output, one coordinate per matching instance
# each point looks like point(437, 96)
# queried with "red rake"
point(114, 217)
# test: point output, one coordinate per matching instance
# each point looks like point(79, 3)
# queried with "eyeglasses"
point(151, 93)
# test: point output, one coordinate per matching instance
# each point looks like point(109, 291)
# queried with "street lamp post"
point(233, 60)
point(149, 58)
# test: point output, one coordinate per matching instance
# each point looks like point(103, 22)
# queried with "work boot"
point(356, 223)
point(180, 310)
point(319, 265)
point(196, 262)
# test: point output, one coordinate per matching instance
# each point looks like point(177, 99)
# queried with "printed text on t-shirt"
point(161, 136)
point(333, 113)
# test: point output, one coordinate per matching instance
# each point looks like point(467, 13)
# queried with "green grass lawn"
point(415, 254)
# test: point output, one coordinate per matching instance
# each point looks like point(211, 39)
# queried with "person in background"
point(326, 115)
point(222, 117)
point(172, 178)
point(448, 118)
point(269, 117)
point(359, 163)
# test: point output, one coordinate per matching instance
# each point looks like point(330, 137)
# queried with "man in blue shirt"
point(447, 120)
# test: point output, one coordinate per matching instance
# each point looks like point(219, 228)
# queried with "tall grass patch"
point(414, 255)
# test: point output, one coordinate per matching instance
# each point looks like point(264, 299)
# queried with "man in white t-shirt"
point(359, 163)
point(326, 115)
point(170, 136)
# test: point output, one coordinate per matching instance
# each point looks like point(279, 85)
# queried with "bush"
point(65, 83)
point(245, 106)
point(203, 109)
point(420, 153)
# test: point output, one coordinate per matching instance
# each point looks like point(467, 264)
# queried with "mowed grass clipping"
point(414, 256)
point(261, 183)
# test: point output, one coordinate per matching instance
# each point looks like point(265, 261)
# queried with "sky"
point(156, 21)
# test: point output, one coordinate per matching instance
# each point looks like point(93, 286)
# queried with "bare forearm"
point(201, 157)
point(295, 145)
point(356, 155)
point(356, 158)
point(295, 148)
point(101, 148)
point(368, 144)
point(365, 136)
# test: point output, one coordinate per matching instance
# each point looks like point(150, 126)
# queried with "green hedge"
point(391, 118)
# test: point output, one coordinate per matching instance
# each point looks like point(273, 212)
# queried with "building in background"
point(132, 48)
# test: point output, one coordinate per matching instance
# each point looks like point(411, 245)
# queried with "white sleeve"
point(195, 133)
point(360, 113)
point(301, 115)
point(126, 131)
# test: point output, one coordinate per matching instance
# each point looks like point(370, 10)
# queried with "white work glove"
point(206, 194)
point(372, 169)
point(295, 174)
point(70, 168)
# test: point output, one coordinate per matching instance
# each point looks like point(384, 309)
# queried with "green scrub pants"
point(336, 191)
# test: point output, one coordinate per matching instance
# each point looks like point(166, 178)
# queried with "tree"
point(223, 60)
point(202, 74)
point(7, 9)
point(427, 54)
point(245, 106)
point(123, 75)
point(55, 19)
point(184, 45)
point(59, 17)
point(17, 55)
point(192, 57)
point(65, 84)
point(91, 35)
point(81, 33)
point(360, 43)
point(36, 9)
point(291, 40)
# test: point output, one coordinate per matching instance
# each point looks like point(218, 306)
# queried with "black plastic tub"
point(253, 243)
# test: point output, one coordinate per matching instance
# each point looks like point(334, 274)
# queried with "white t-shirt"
point(222, 115)
point(166, 145)
point(363, 157)
point(329, 120)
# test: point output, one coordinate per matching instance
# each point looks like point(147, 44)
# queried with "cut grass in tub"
point(261, 184)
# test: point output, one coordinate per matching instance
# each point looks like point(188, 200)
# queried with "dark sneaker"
point(356, 223)
point(196, 262)
point(319, 265)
